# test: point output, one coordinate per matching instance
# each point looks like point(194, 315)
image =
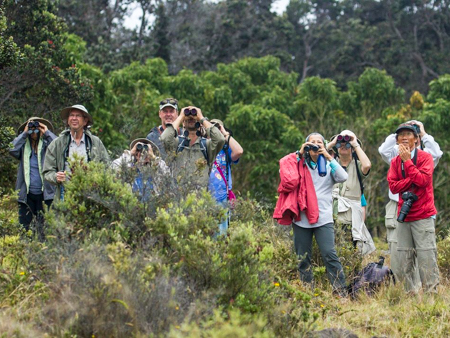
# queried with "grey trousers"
point(325, 240)
point(391, 234)
point(418, 239)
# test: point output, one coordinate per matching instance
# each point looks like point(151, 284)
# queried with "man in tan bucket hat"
point(76, 139)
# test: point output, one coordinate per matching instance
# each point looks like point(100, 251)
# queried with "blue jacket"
point(17, 152)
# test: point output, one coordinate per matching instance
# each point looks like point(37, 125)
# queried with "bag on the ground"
point(371, 278)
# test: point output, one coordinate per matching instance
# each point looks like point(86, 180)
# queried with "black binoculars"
point(33, 127)
point(343, 139)
point(191, 112)
point(311, 147)
point(141, 146)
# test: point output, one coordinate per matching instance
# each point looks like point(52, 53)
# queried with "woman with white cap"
point(348, 195)
point(30, 147)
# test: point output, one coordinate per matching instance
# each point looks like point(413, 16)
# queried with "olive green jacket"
point(189, 166)
point(58, 151)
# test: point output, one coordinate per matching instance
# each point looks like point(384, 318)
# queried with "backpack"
point(371, 277)
point(183, 142)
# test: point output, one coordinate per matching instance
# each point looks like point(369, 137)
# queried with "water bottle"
point(322, 165)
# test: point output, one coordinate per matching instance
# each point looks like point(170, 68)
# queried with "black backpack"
point(371, 278)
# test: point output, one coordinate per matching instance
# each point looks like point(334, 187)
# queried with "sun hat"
point(66, 111)
point(39, 119)
point(146, 141)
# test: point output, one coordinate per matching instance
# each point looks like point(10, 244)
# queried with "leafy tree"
point(9, 52)
point(44, 80)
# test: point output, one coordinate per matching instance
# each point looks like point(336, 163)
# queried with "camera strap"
point(361, 185)
point(414, 159)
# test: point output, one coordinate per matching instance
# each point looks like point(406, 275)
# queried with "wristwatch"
point(203, 119)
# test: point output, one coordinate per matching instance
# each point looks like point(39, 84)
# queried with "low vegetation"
point(112, 266)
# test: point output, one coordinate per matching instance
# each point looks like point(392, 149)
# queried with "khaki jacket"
point(189, 166)
point(58, 150)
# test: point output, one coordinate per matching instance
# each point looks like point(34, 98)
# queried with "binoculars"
point(140, 147)
point(33, 127)
point(311, 147)
point(343, 139)
point(191, 112)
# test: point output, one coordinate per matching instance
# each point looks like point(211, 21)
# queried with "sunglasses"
point(169, 101)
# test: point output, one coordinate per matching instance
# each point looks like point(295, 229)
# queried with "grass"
point(391, 312)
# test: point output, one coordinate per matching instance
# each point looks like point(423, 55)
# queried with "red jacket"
point(297, 192)
point(421, 175)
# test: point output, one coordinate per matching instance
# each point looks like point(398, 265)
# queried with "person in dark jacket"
point(168, 112)
point(30, 147)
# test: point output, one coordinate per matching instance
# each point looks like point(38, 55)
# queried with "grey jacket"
point(17, 152)
point(155, 136)
point(189, 166)
point(58, 151)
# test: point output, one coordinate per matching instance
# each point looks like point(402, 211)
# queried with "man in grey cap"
point(411, 176)
point(388, 151)
point(75, 139)
point(168, 112)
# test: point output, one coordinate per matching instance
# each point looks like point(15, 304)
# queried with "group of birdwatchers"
point(321, 185)
point(186, 146)
point(321, 189)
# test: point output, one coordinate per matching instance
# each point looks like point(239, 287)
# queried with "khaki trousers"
point(391, 234)
point(417, 239)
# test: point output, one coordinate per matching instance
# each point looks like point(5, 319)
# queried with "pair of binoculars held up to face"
point(33, 127)
point(190, 112)
point(343, 141)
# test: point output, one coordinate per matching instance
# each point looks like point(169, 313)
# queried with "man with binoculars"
point(150, 169)
point(192, 154)
point(411, 176)
point(30, 148)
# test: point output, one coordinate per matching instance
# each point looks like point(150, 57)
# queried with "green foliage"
point(45, 79)
point(9, 52)
point(443, 257)
point(8, 167)
point(97, 201)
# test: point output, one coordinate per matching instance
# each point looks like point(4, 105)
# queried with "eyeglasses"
point(169, 101)
point(405, 133)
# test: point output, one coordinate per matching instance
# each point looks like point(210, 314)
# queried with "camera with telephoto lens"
point(408, 199)
point(311, 147)
point(140, 147)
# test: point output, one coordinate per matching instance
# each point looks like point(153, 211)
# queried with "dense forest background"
point(107, 265)
point(322, 65)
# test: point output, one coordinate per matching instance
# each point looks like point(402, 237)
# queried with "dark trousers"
point(325, 240)
point(34, 208)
